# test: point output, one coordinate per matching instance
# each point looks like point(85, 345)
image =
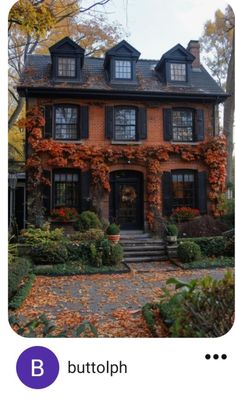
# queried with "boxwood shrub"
point(188, 251)
point(210, 246)
point(88, 220)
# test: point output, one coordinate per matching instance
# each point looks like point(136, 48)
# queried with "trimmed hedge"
point(74, 269)
point(210, 246)
point(22, 293)
point(17, 271)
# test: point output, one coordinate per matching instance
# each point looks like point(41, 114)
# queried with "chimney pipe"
point(194, 49)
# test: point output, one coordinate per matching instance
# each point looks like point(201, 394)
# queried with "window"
point(66, 67)
point(123, 69)
point(66, 122)
point(178, 72)
point(66, 189)
point(183, 189)
point(182, 125)
point(125, 124)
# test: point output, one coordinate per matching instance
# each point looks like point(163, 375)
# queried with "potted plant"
point(113, 233)
point(171, 233)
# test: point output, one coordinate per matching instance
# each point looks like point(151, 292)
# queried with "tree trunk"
point(229, 114)
point(16, 113)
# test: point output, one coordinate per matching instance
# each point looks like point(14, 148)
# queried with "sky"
point(157, 25)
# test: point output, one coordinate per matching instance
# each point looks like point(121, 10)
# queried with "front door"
point(126, 199)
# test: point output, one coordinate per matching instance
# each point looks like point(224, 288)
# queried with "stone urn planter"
point(171, 238)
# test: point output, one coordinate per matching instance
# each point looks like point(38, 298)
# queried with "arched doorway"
point(126, 199)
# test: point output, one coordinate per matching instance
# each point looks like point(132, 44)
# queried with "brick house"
point(123, 114)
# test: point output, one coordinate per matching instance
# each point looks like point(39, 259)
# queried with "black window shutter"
point(109, 122)
point(167, 193)
point(142, 123)
point(84, 123)
point(48, 121)
point(47, 192)
point(167, 124)
point(85, 180)
point(202, 192)
point(199, 125)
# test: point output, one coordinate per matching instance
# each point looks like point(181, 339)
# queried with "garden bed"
point(76, 268)
point(205, 263)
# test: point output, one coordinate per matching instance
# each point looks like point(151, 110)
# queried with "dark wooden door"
point(126, 199)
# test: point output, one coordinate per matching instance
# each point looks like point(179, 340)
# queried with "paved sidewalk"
point(99, 298)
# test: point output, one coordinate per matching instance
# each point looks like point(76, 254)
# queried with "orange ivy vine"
point(49, 153)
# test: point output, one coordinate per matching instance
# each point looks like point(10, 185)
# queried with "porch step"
point(145, 259)
point(141, 247)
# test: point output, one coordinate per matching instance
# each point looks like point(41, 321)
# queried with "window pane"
point(66, 122)
point(125, 124)
point(183, 190)
point(123, 69)
point(66, 67)
point(182, 125)
point(66, 188)
point(178, 72)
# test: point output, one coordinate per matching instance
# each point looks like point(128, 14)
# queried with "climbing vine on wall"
point(47, 153)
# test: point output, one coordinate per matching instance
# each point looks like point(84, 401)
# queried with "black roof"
point(37, 74)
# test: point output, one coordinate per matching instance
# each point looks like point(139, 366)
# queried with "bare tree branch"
point(99, 3)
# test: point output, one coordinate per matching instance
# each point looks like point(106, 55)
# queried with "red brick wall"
point(154, 132)
point(154, 117)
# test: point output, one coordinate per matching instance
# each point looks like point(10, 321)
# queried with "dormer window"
point(175, 66)
point(123, 69)
point(178, 72)
point(67, 61)
point(120, 64)
point(66, 67)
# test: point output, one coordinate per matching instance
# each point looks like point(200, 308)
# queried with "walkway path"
point(111, 302)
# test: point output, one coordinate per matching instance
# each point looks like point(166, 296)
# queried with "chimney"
point(194, 49)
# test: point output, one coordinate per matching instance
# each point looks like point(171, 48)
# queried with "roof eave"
point(27, 91)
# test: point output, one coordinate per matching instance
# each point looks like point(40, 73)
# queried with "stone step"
point(145, 259)
point(150, 253)
point(135, 236)
point(143, 248)
point(141, 242)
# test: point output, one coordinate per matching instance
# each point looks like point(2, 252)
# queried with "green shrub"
point(88, 220)
point(41, 326)
point(111, 253)
point(188, 252)
point(90, 234)
point(17, 271)
point(171, 230)
point(22, 293)
point(49, 252)
point(74, 251)
point(201, 308)
point(229, 247)
point(34, 236)
point(210, 246)
point(113, 229)
point(95, 255)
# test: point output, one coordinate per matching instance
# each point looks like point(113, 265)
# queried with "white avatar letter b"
point(37, 364)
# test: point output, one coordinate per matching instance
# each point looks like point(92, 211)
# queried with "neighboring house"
point(118, 101)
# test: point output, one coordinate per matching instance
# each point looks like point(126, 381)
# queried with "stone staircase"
point(141, 247)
